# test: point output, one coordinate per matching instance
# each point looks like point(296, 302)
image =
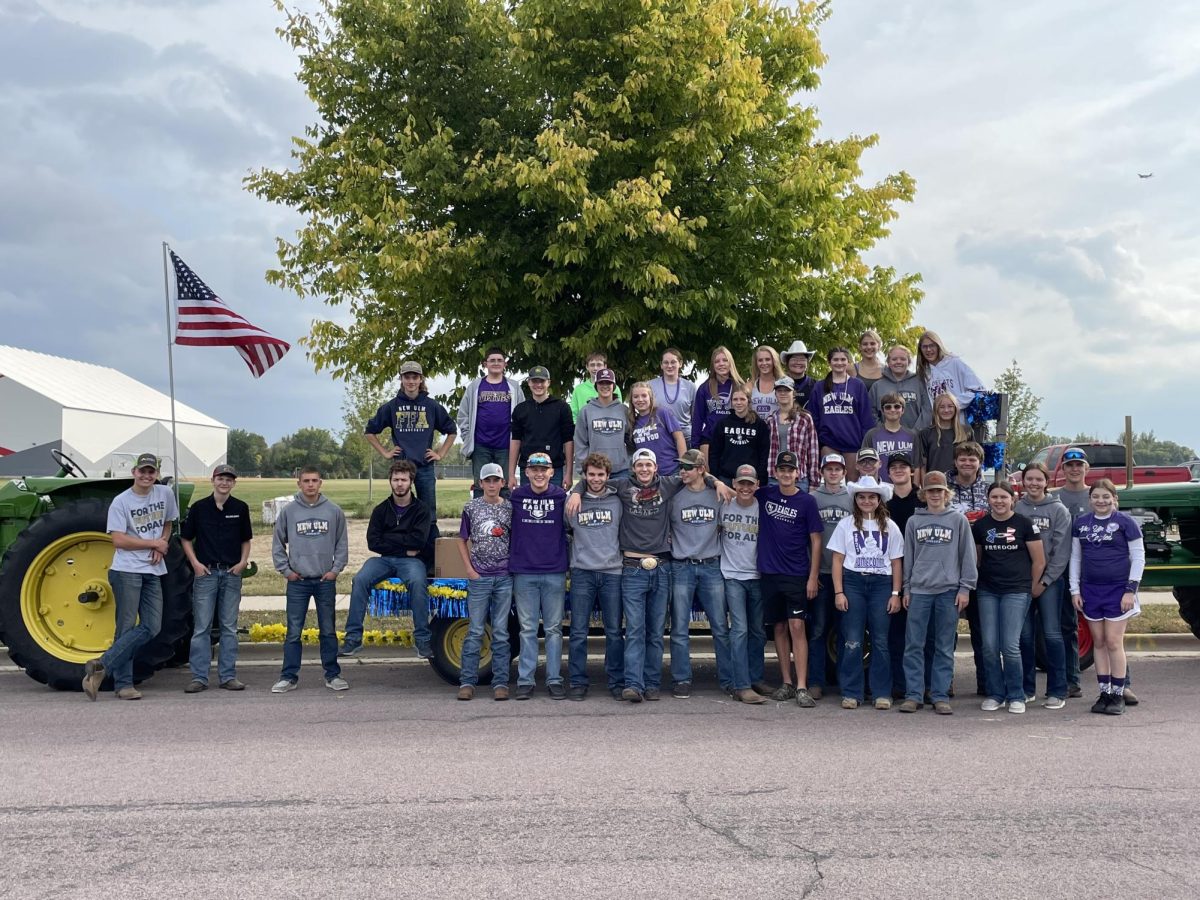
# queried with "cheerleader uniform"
point(1107, 561)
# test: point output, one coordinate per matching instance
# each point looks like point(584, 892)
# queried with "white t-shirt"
point(141, 517)
point(867, 551)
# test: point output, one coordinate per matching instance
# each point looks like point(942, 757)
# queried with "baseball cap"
point(1074, 454)
point(225, 470)
point(833, 458)
point(146, 459)
point(691, 459)
point(935, 481)
point(491, 470)
point(899, 459)
point(539, 461)
point(746, 473)
point(538, 372)
point(606, 375)
point(787, 460)
point(785, 383)
point(411, 367)
point(645, 453)
point(868, 453)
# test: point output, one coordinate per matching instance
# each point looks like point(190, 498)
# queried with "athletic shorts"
point(1102, 602)
point(784, 597)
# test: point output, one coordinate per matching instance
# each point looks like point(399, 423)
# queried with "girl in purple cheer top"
point(654, 428)
point(841, 410)
point(1107, 560)
point(712, 397)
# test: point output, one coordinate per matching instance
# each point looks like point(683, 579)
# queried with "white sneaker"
point(1054, 703)
point(989, 705)
point(1029, 698)
point(282, 686)
point(1017, 706)
point(337, 683)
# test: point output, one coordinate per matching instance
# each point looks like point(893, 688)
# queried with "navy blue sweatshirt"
point(413, 423)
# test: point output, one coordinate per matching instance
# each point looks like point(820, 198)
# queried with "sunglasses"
point(893, 406)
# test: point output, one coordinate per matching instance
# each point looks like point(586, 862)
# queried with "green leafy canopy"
point(557, 178)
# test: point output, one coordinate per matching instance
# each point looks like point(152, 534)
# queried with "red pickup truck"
point(1104, 461)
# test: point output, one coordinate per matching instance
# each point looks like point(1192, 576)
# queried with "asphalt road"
point(395, 789)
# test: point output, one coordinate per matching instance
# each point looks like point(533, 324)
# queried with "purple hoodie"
point(842, 414)
point(708, 411)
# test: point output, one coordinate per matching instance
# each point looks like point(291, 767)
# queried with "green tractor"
point(56, 606)
point(1172, 560)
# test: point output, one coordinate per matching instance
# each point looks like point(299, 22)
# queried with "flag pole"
point(171, 370)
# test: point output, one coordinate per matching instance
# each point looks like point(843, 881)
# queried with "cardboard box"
point(447, 561)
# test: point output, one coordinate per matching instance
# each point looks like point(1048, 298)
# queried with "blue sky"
point(1024, 124)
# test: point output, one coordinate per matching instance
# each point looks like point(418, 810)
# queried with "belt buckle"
point(649, 563)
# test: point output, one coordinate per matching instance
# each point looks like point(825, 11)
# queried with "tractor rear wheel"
point(1189, 606)
point(64, 556)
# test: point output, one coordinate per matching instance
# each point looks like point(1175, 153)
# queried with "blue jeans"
point(644, 600)
point(744, 643)
point(941, 610)
point(425, 485)
point(867, 597)
point(220, 592)
point(139, 617)
point(324, 594)
point(480, 457)
point(1070, 633)
point(586, 587)
point(824, 617)
point(488, 597)
point(1001, 617)
point(1045, 613)
point(687, 579)
point(408, 569)
point(540, 596)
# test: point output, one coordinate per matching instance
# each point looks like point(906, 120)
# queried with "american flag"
point(205, 321)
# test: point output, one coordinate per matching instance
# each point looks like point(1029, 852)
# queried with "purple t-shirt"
point(493, 415)
point(488, 527)
point(784, 526)
point(1104, 546)
point(539, 531)
point(658, 435)
point(887, 443)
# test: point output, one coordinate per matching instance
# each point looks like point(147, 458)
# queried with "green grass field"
point(349, 494)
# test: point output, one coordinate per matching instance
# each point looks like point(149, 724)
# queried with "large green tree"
point(561, 177)
point(247, 451)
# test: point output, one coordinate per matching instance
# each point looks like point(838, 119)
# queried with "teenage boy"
point(901, 506)
point(538, 563)
point(485, 416)
point(968, 495)
point(216, 540)
point(891, 437)
point(743, 588)
point(900, 380)
point(585, 392)
point(833, 504)
point(399, 532)
point(602, 426)
point(542, 424)
point(646, 567)
point(869, 466)
point(795, 362)
point(596, 576)
point(484, 541)
point(139, 523)
point(413, 417)
point(309, 547)
point(789, 550)
point(939, 576)
point(696, 568)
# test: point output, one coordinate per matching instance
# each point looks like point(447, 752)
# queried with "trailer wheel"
point(62, 556)
point(1189, 606)
point(448, 638)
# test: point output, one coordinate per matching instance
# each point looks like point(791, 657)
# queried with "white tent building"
point(98, 416)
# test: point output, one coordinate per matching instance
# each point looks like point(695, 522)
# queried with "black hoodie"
point(389, 537)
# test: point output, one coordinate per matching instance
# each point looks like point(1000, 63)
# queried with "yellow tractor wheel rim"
point(64, 570)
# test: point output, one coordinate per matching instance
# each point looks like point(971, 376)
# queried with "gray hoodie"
point(595, 529)
point(1053, 521)
point(939, 553)
point(601, 429)
point(833, 506)
point(917, 413)
point(310, 540)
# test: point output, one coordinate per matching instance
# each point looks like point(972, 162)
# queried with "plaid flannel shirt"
point(801, 440)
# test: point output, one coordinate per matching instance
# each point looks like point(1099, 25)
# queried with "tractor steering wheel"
point(68, 465)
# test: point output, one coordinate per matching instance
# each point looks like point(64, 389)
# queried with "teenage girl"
point(740, 438)
point(766, 369)
point(935, 444)
point(712, 397)
point(841, 410)
point(943, 372)
point(869, 368)
point(672, 391)
point(654, 428)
